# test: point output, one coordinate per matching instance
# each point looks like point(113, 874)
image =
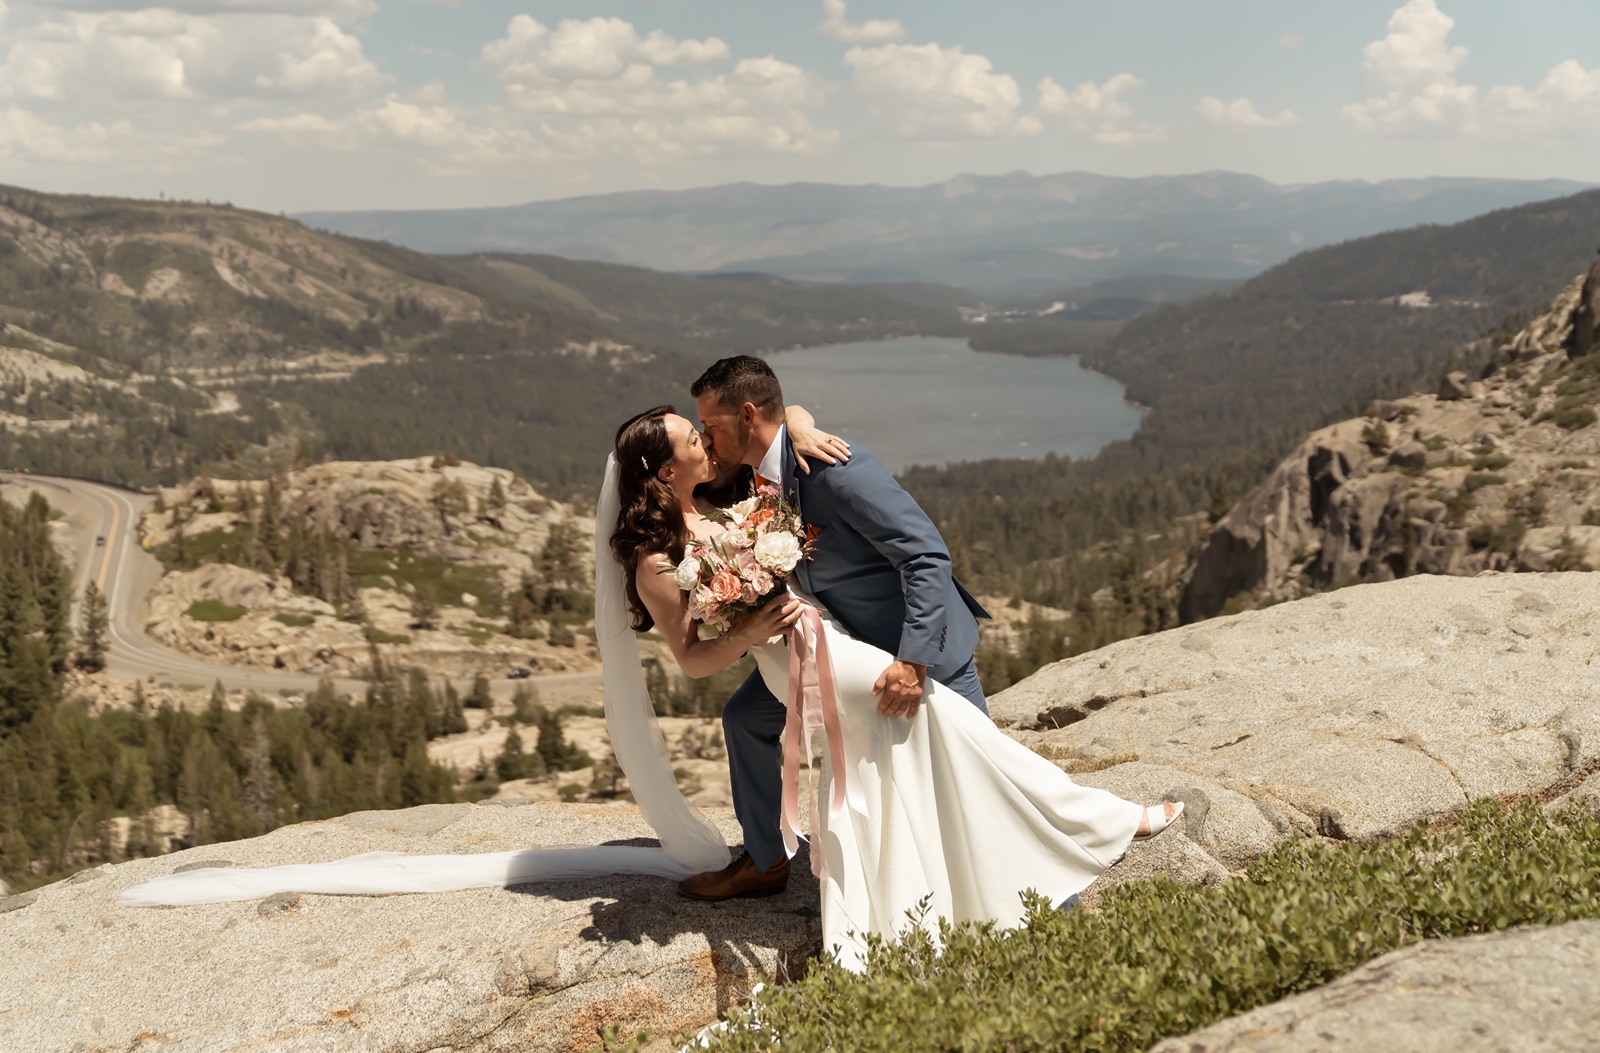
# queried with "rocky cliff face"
point(1497, 473)
point(419, 524)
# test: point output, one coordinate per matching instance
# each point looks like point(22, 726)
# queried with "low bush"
point(215, 611)
point(1160, 958)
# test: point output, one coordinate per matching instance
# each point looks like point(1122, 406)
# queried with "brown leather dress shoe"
point(739, 878)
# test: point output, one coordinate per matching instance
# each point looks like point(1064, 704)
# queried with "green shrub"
point(1161, 959)
point(1501, 538)
point(1479, 480)
point(378, 636)
point(215, 611)
point(1571, 418)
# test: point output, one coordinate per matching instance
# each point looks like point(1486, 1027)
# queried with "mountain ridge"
point(1011, 231)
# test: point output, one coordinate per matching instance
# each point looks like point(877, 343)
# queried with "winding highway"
point(125, 573)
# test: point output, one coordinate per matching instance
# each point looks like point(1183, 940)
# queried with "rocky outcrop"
point(1587, 315)
point(532, 969)
point(1497, 474)
point(1346, 715)
point(1522, 989)
point(454, 514)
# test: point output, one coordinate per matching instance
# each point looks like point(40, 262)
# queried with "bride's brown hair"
point(650, 519)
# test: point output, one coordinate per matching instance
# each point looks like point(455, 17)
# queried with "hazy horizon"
point(328, 105)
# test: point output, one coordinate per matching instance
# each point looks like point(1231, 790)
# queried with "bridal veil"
point(689, 843)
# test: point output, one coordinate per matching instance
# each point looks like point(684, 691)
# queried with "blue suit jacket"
point(879, 565)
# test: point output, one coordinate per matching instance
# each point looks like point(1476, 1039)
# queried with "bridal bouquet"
point(761, 541)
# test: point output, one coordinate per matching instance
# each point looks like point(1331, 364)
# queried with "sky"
point(293, 105)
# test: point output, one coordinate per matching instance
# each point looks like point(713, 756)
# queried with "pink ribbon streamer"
point(813, 703)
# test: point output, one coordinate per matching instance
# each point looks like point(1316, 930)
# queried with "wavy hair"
point(650, 519)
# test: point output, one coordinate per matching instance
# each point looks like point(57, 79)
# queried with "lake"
point(933, 400)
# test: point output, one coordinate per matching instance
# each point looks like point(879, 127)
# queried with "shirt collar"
point(771, 466)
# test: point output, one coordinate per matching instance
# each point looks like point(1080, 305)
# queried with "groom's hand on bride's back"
point(899, 689)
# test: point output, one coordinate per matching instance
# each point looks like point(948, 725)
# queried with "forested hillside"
point(144, 339)
point(67, 776)
point(1233, 382)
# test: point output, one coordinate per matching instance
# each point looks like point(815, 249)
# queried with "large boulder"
point(1522, 989)
point(1351, 714)
point(529, 969)
point(1585, 318)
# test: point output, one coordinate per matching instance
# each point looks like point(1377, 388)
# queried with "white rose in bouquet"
point(778, 551)
point(687, 576)
point(742, 510)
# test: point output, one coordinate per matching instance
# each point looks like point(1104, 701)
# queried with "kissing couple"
point(868, 639)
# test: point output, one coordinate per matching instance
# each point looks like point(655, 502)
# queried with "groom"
point(879, 567)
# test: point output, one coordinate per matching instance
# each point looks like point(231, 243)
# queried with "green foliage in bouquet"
point(1161, 959)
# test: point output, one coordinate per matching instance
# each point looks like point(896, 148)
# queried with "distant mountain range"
point(1012, 233)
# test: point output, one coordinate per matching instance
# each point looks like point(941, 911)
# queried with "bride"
point(941, 807)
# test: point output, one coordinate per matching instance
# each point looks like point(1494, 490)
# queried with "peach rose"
point(725, 586)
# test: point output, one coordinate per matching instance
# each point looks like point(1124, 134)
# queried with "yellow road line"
point(105, 557)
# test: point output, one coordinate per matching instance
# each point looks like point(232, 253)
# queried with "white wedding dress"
point(944, 807)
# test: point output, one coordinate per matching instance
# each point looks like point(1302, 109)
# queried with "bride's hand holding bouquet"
point(736, 579)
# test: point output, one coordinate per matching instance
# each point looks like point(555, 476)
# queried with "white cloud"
point(30, 143)
point(1100, 109)
point(1241, 114)
point(161, 54)
point(598, 88)
point(337, 9)
point(588, 50)
point(322, 60)
point(1291, 42)
point(924, 90)
point(1410, 76)
point(1412, 87)
point(873, 31)
point(1567, 101)
point(421, 126)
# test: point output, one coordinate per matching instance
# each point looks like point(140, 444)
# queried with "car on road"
point(100, 540)
point(521, 672)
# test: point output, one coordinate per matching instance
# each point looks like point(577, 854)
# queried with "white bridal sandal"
point(1158, 819)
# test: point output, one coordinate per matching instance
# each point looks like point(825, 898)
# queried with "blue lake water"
point(933, 400)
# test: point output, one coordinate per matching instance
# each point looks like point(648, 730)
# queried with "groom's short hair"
point(740, 379)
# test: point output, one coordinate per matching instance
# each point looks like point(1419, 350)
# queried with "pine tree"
point(92, 645)
point(512, 763)
point(260, 781)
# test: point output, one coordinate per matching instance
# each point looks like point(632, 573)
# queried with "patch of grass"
point(1490, 462)
point(1160, 958)
point(215, 611)
point(378, 636)
point(295, 621)
point(439, 578)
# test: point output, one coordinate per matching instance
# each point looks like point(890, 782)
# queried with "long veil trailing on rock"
point(689, 843)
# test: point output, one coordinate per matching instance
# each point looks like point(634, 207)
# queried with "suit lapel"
point(791, 493)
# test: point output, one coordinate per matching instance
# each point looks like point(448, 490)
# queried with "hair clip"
point(645, 463)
